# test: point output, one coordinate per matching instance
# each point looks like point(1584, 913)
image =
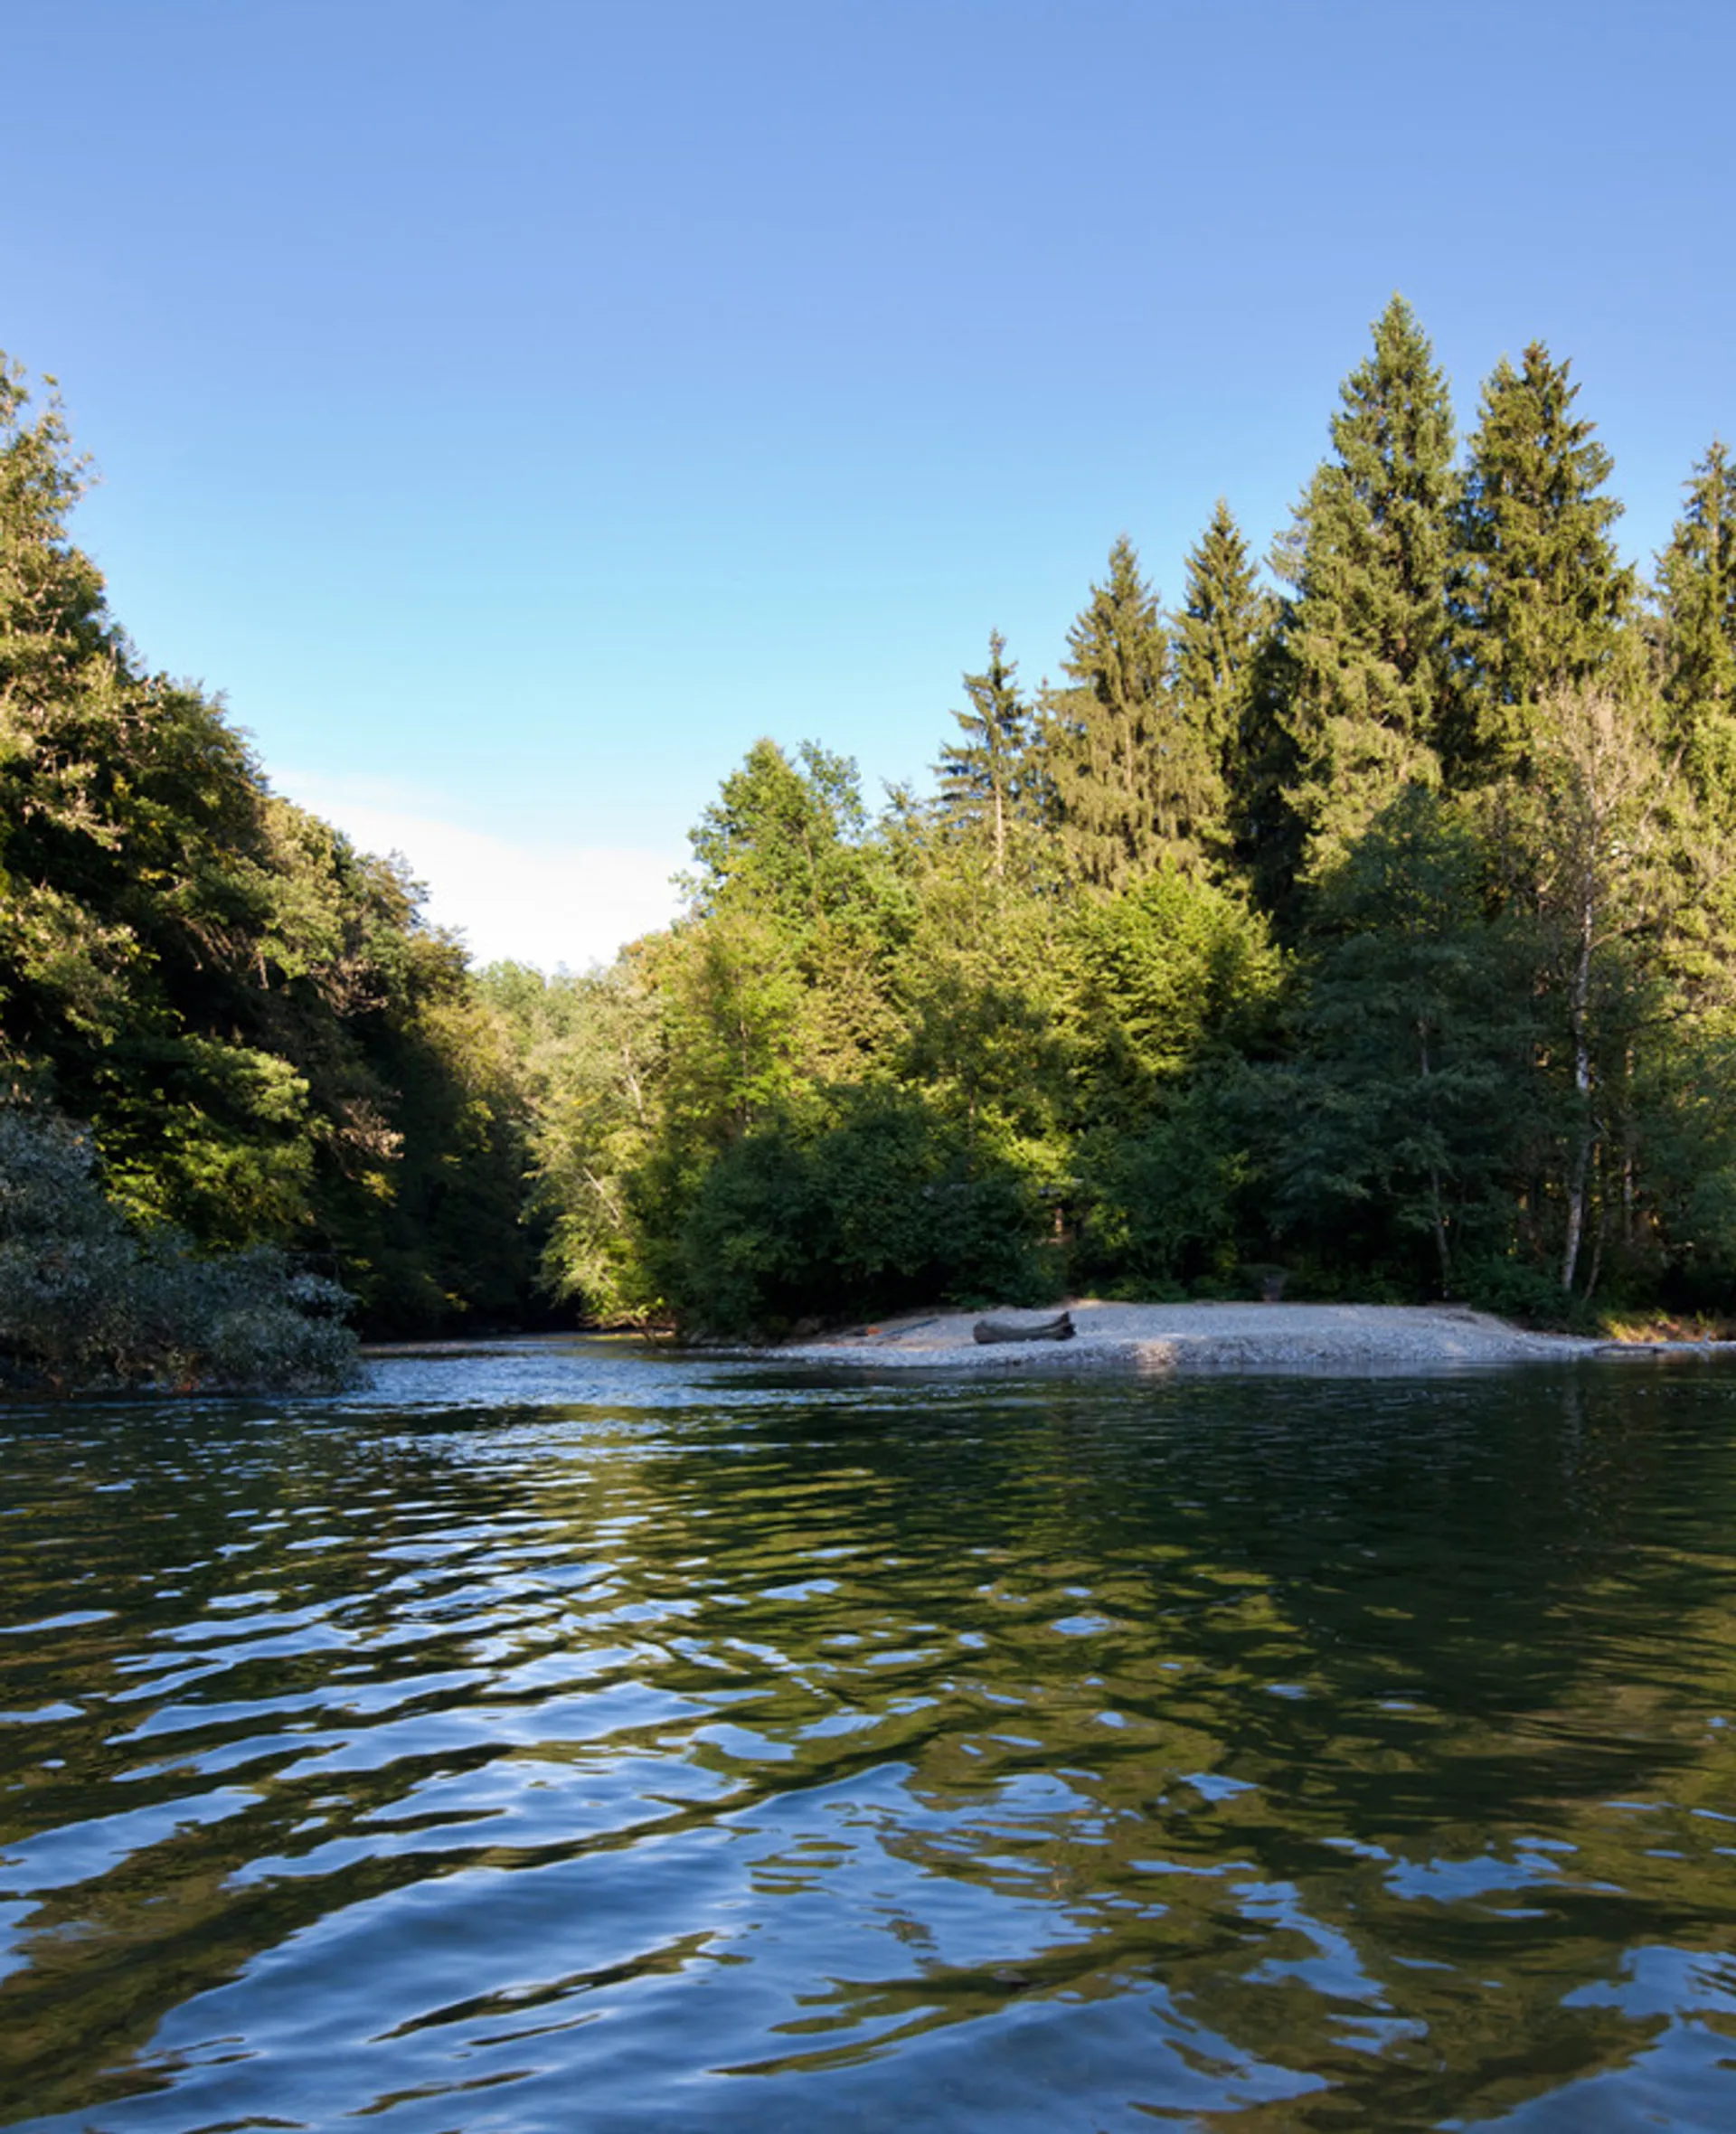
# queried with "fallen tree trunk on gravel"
point(1059, 1328)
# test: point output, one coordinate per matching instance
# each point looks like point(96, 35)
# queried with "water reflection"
point(547, 1740)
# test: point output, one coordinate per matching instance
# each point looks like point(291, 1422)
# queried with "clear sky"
point(515, 409)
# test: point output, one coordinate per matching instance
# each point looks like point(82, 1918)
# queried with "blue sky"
point(516, 409)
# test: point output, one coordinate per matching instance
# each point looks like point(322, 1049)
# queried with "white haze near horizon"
point(524, 902)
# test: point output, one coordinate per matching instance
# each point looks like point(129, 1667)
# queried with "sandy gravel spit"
point(1157, 1339)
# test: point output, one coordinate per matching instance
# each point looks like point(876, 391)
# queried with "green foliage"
point(1514, 1288)
point(858, 1204)
point(1697, 587)
point(1169, 978)
point(1684, 1224)
point(1540, 598)
point(1365, 631)
point(1601, 852)
point(1399, 1121)
point(876, 1063)
point(991, 784)
point(782, 833)
point(593, 1062)
point(86, 1303)
point(270, 1046)
point(1162, 1207)
point(1134, 779)
point(1215, 633)
point(980, 993)
point(1219, 639)
point(778, 976)
point(1027, 1030)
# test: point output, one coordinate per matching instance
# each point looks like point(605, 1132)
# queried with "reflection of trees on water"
point(1302, 1722)
point(1313, 1641)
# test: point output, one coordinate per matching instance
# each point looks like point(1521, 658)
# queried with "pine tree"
point(1364, 635)
point(985, 777)
point(1132, 783)
point(1696, 577)
point(1539, 595)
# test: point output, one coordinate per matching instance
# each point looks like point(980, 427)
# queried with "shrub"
point(89, 1304)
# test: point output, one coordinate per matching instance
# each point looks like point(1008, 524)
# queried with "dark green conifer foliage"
point(1218, 635)
point(986, 777)
point(1539, 595)
point(1365, 631)
point(1401, 1116)
point(1132, 782)
point(1696, 578)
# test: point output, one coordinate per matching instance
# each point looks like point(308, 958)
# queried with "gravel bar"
point(1162, 1338)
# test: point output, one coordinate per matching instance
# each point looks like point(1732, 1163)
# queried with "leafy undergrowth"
point(88, 1304)
point(1644, 1328)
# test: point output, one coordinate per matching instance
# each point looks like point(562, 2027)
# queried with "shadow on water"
point(588, 1738)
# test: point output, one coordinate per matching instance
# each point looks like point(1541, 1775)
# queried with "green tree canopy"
point(1540, 598)
point(1215, 636)
point(1696, 578)
point(1365, 629)
point(267, 1042)
point(1133, 781)
point(1404, 1110)
point(988, 777)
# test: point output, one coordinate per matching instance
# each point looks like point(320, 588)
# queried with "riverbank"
point(1161, 1338)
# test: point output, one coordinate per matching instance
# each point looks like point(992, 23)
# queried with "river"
point(572, 1736)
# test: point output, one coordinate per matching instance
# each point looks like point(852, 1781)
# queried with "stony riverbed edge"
point(1170, 1338)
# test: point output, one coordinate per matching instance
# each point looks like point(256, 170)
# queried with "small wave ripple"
point(558, 1738)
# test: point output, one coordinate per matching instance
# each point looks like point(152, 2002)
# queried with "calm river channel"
point(572, 1737)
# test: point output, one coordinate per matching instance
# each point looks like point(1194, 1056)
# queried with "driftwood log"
point(1059, 1328)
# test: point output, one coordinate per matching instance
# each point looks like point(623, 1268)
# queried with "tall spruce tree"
point(1365, 631)
point(1696, 579)
point(985, 777)
point(1132, 782)
point(1539, 594)
point(1217, 636)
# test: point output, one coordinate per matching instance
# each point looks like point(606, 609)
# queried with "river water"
point(573, 1737)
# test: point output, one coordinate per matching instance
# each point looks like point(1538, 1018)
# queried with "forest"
point(1360, 926)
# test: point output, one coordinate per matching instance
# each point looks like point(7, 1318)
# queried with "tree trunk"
point(1436, 1214)
point(1579, 1013)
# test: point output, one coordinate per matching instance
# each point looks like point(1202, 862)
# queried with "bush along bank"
point(89, 1304)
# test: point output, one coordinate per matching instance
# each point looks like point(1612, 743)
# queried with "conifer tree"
point(985, 777)
point(1218, 634)
point(1696, 576)
point(1539, 595)
point(1365, 631)
point(1132, 783)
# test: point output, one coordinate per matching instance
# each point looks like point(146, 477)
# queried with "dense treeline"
point(1372, 925)
point(1367, 923)
point(245, 1015)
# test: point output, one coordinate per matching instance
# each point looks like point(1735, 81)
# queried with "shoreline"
point(1170, 1340)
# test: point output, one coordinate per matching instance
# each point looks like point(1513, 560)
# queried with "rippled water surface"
point(581, 1739)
